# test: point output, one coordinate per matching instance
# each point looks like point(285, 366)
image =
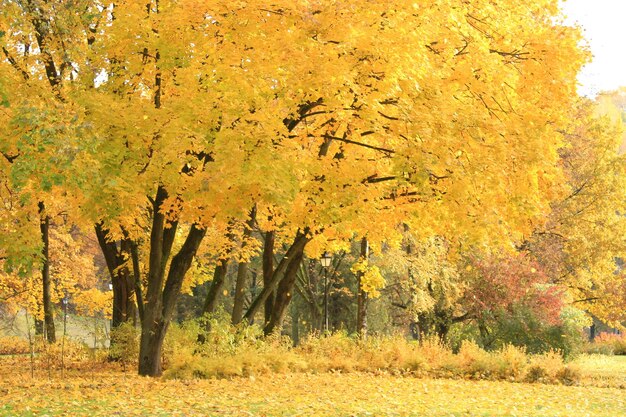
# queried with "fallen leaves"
point(110, 393)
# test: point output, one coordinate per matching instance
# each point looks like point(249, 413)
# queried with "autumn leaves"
point(331, 121)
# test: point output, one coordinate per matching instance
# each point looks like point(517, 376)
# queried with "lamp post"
point(326, 260)
point(64, 301)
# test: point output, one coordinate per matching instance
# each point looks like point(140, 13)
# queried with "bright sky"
point(604, 24)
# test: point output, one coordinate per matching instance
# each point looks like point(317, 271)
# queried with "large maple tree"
point(333, 119)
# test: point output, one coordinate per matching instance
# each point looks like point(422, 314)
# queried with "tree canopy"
point(188, 132)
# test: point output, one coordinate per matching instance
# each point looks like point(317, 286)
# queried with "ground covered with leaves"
point(101, 392)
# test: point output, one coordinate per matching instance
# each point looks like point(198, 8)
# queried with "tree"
point(40, 45)
point(199, 112)
point(580, 242)
point(72, 273)
point(166, 174)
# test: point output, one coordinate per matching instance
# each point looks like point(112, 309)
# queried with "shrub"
point(607, 344)
point(509, 363)
point(220, 350)
point(474, 362)
point(124, 344)
point(512, 362)
point(393, 354)
point(536, 373)
point(334, 352)
point(569, 375)
point(436, 354)
point(545, 367)
point(67, 353)
point(523, 328)
point(211, 347)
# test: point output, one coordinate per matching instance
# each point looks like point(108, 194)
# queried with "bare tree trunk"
point(361, 318)
point(219, 276)
point(122, 278)
point(151, 348)
point(298, 245)
point(242, 273)
point(48, 312)
point(268, 271)
point(240, 288)
point(134, 253)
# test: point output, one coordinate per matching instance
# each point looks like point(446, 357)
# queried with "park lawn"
point(108, 393)
point(601, 370)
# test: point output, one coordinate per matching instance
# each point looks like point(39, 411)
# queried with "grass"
point(602, 371)
point(86, 329)
point(105, 391)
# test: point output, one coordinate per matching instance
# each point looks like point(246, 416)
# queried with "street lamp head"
point(326, 259)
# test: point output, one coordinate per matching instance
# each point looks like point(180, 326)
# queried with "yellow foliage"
point(93, 302)
point(370, 277)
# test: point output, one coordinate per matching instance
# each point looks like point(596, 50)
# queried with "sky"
point(604, 27)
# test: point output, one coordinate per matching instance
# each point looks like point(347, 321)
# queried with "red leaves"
point(503, 284)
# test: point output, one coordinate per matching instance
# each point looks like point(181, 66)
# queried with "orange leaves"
point(506, 283)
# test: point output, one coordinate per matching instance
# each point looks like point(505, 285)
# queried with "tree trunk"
point(284, 293)
point(361, 317)
point(219, 276)
point(242, 273)
point(240, 288)
point(160, 305)
point(39, 327)
point(124, 308)
point(122, 278)
point(592, 332)
point(295, 326)
point(268, 271)
point(162, 294)
point(298, 245)
point(151, 348)
point(134, 253)
point(48, 312)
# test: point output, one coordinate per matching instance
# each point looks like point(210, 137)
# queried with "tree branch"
point(9, 158)
point(365, 145)
point(15, 65)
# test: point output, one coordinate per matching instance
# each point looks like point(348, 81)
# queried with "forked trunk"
point(162, 293)
point(297, 246)
point(122, 277)
point(284, 293)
